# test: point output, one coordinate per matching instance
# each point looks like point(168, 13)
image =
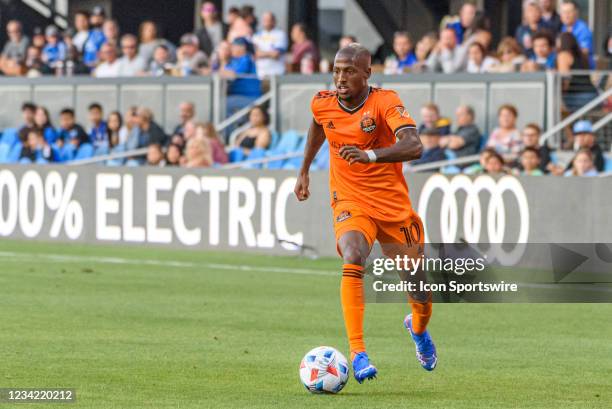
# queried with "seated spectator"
point(55, 49)
point(478, 60)
point(579, 28)
point(467, 14)
point(550, 17)
point(584, 138)
point(34, 65)
point(147, 131)
point(116, 133)
point(14, 52)
point(432, 151)
point(207, 130)
point(479, 168)
point(257, 135)
point(109, 63)
point(98, 129)
point(422, 51)
point(241, 91)
point(446, 57)
point(110, 29)
point(403, 56)
point(35, 148)
point(187, 114)
point(130, 64)
point(155, 155)
point(81, 25)
point(465, 140)
point(530, 162)
point(95, 39)
point(173, 155)
point(190, 60)
point(161, 64)
point(304, 56)
point(42, 122)
point(578, 90)
point(221, 56)
point(543, 56)
point(532, 22)
point(198, 154)
point(38, 38)
point(530, 138)
point(505, 139)
point(69, 130)
point(28, 113)
point(510, 57)
point(149, 42)
point(430, 118)
point(270, 47)
point(494, 165)
point(213, 30)
point(582, 164)
point(66, 37)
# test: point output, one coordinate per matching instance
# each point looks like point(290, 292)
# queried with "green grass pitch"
point(132, 328)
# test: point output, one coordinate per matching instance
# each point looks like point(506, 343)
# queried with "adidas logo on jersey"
point(330, 125)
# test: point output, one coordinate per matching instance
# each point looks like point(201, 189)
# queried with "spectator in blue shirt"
point(532, 19)
point(579, 28)
point(97, 133)
point(467, 14)
point(96, 38)
point(55, 49)
point(244, 87)
point(403, 54)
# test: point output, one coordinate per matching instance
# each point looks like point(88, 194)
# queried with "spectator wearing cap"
point(130, 64)
point(550, 17)
point(467, 15)
point(532, 23)
point(191, 60)
point(55, 49)
point(93, 44)
point(579, 28)
point(430, 118)
point(110, 65)
point(584, 138)
point(403, 56)
point(244, 87)
point(161, 64)
point(270, 47)
point(149, 41)
point(466, 138)
point(304, 53)
point(213, 30)
point(81, 25)
point(543, 56)
point(432, 151)
point(14, 52)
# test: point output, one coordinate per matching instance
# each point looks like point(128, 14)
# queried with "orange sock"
point(353, 306)
point(421, 312)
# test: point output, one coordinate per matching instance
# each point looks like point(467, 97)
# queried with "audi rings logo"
point(472, 211)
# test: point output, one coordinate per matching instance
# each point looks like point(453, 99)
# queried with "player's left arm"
point(407, 148)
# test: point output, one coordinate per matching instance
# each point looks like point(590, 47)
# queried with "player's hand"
point(301, 187)
point(352, 154)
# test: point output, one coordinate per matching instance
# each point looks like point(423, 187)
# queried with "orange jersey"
point(378, 188)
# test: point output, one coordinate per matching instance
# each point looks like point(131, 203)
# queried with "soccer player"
point(369, 195)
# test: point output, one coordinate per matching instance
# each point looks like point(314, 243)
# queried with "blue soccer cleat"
point(362, 369)
point(425, 348)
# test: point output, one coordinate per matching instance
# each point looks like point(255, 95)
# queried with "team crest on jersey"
point(345, 214)
point(367, 123)
point(402, 111)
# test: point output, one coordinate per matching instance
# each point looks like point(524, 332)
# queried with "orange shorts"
point(406, 234)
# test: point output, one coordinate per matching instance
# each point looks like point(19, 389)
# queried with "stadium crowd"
point(548, 39)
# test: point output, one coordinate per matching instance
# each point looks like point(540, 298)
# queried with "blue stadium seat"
point(275, 138)
point(608, 164)
point(9, 136)
point(15, 153)
point(119, 161)
point(85, 151)
point(5, 149)
point(483, 142)
point(288, 143)
point(553, 157)
point(256, 153)
point(66, 152)
point(101, 150)
point(25, 161)
point(236, 155)
point(296, 163)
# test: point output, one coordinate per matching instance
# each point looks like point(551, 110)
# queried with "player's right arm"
point(316, 137)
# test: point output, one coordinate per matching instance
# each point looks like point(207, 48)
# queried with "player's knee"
point(353, 255)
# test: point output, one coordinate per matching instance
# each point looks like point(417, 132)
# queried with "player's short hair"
point(531, 149)
point(533, 126)
point(508, 107)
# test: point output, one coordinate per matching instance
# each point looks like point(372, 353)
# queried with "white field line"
point(58, 258)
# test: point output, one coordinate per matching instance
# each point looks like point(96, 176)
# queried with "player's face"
point(350, 79)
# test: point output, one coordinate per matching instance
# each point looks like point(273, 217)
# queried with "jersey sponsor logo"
point(330, 125)
point(402, 111)
point(345, 214)
point(367, 123)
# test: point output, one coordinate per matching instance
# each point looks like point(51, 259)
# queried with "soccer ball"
point(324, 370)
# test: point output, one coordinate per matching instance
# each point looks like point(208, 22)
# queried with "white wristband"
point(371, 155)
